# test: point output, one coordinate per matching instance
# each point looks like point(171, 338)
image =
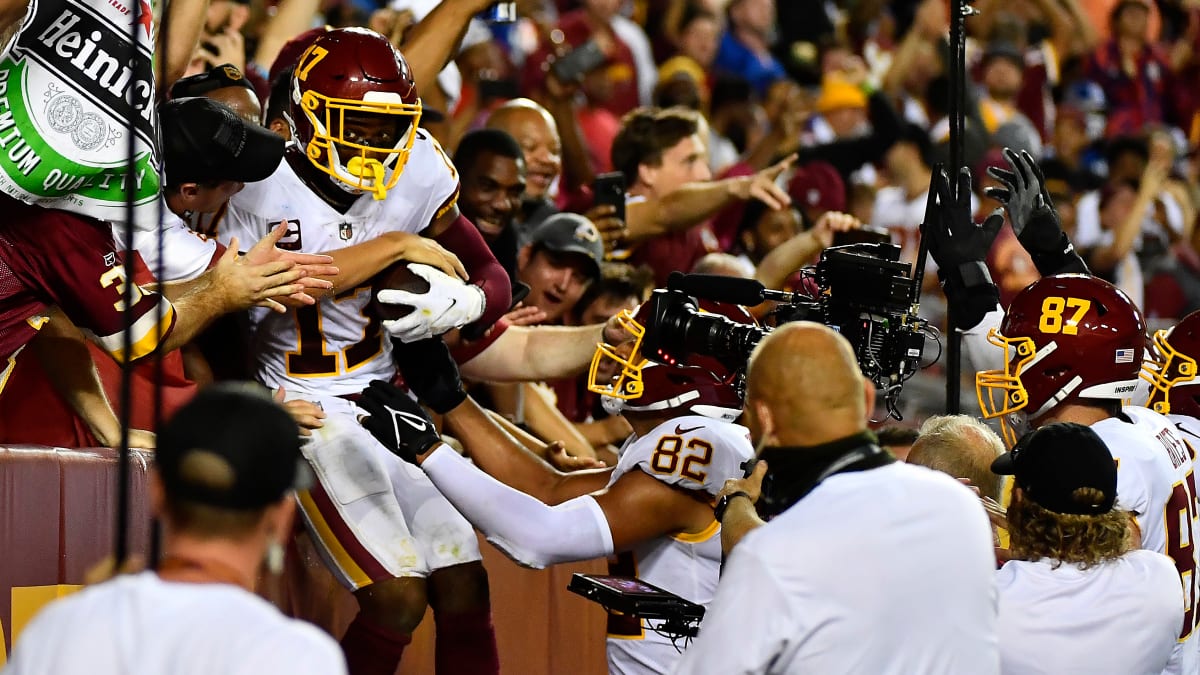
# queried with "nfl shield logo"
point(345, 231)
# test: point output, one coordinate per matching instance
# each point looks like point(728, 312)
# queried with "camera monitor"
point(634, 597)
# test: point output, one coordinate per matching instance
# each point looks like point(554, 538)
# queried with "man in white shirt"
point(861, 543)
point(1074, 598)
point(222, 486)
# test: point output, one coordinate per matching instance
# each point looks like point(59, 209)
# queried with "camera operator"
point(855, 544)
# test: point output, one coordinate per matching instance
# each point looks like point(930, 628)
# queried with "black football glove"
point(1032, 216)
point(959, 246)
point(431, 373)
point(397, 421)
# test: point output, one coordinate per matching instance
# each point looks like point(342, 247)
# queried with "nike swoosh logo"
point(679, 431)
point(410, 419)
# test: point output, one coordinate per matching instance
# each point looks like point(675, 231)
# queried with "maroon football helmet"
point(1065, 337)
point(628, 382)
point(1170, 369)
point(354, 77)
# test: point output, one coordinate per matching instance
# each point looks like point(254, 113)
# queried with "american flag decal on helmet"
point(1124, 356)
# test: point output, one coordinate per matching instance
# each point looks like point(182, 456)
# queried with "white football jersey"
point(1117, 617)
point(334, 347)
point(695, 453)
point(1155, 480)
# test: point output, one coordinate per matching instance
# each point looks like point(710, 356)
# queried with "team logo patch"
point(110, 259)
point(291, 240)
point(346, 231)
point(1124, 356)
point(587, 232)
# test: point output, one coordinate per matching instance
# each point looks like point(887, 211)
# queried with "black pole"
point(959, 10)
point(121, 545)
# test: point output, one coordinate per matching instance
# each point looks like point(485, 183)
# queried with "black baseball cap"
point(1052, 462)
point(231, 447)
point(571, 233)
point(1003, 49)
point(204, 140)
point(224, 75)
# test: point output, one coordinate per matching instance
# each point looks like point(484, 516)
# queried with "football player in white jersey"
point(1072, 348)
point(654, 509)
point(363, 183)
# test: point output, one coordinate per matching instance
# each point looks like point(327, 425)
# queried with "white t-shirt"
point(883, 571)
point(1119, 617)
point(142, 625)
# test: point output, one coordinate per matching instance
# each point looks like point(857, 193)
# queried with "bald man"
point(537, 134)
point(855, 543)
point(960, 446)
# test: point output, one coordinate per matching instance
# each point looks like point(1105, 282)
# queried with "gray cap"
point(571, 233)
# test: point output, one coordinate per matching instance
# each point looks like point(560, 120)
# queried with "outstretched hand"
point(762, 186)
point(960, 246)
point(240, 284)
point(398, 422)
point(954, 237)
point(312, 266)
point(559, 458)
point(1031, 214)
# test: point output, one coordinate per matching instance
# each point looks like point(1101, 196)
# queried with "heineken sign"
point(71, 92)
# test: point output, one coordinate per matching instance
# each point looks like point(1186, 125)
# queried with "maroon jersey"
point(51, 257)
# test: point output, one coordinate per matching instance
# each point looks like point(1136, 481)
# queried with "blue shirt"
point(736, 58)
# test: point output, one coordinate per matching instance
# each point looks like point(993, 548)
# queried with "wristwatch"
point(723, 503)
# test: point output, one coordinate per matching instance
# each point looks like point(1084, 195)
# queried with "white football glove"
point(450, 303)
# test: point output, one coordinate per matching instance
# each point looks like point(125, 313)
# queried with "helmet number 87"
point(1053, 309)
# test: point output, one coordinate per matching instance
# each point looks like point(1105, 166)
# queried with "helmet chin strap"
point(614, 406)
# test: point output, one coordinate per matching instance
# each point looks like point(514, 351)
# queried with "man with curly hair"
point(1077, 595)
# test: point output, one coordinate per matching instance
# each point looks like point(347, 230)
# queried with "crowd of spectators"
point(749, 135)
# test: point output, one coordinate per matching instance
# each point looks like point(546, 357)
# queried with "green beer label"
point(73, 88)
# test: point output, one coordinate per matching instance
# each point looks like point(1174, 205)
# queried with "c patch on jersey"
point(290, 241)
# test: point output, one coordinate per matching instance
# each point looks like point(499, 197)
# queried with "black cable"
point(121, 545)
point(160, 270)
point(959, 10)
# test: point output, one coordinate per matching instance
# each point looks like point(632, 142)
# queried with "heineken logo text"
point(85, 49)
point(10, 136)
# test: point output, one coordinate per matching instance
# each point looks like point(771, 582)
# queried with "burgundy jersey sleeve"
point(63, 259)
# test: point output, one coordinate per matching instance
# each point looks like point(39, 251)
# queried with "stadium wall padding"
point(57, 521)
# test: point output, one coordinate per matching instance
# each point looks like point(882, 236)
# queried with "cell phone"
point(572, 66)
point(519, 292)
point(865, 235)
point(498, 89)
point(609, 188)
point(501, 12)
point(634, 597)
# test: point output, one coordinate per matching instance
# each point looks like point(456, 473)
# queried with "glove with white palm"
point(449, 303)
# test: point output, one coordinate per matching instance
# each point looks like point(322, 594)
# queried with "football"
point(398, 277)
